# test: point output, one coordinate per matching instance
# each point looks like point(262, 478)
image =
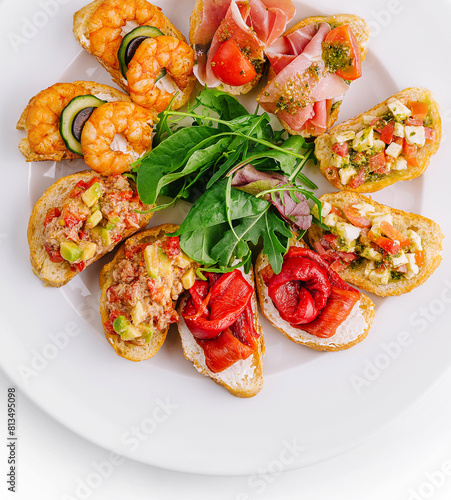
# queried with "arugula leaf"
point(224, 105)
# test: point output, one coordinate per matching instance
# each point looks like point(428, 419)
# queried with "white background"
point(408, 460)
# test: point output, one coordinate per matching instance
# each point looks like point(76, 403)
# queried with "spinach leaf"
point(224, 105)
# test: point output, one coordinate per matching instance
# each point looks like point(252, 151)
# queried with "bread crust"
point(323, 143)
point(52, 273)
point(81, 33)
point(361, 31)
point(429, 231)
point(91, 88)
point(242, 384)
point(195, 21)
point(127, 349)
point(366, 306)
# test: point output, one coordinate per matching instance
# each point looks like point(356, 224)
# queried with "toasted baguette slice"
point(195, 22)
point(52, 273)
point(429, 231)
point(352, 331)
point(243, 379)
point(324, 143)
point(361, 32)
point(101, 91)
point(81, 31)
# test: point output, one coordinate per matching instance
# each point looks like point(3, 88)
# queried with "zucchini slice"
point(131, 42)
point(73, 117)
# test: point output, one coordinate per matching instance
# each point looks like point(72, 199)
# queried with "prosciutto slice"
point(302, 91)
point(254, 24)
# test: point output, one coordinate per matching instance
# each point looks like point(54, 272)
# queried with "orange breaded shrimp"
point(107, 21)
point(154, 54)
point(42, 122)
point(115, 135)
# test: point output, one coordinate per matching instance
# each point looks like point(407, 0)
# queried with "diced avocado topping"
point(138, 313)
point(70, 251)
point(95, 217)
point(105, 234)
point(158, 264)
point(89, 249)
point(125, 329)
point(147, 333)
point(92, 194)
point(188, 278)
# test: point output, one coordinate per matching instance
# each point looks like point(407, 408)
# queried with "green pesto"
point(336, 56)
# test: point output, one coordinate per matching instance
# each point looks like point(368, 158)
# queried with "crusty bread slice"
point(81, 32)
point(323, 143)
point(51, 273)
point(429, 231)
point(361, 31)
point(243, 379)
point(352, 331)
point(195, 21)
point(101, 91)
point(129, 349)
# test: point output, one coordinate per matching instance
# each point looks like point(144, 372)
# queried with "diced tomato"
point(419, 110)
point(131, 220)
point(340, 149)
point(377, 161)
point(171, 246)
point(338, 265)
point(79, 188)
point(385, 243)
point(54, 255)
point(410, 152)
point(92, 181)
point(231, 66)
point(78, 266)
point(430, 134)
point(355, 218)
point(331, 174)
point(343, 38)
point(71, 219)
point(414, 122)
point(331, 239)
point(390, 231)
point(357, 180)
point(117, 238)
point(387, 133)
point(121, 195)
point(156, 290)
point(335, 210)
point(419, 257)
point(53, 213)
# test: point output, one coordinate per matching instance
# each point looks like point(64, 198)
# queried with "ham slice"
point(302, 91)
point(253, 24)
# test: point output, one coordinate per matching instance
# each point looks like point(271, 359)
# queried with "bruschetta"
point(310, 304)
point(115, 33)
point(377, 248)
point(140, 287)
point(41, 118)
point(220, 331)
point(311, 67)
point(393, 141)
point(229, 38)
point(79, 219)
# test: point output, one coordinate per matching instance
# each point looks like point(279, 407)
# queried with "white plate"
point(161, 412)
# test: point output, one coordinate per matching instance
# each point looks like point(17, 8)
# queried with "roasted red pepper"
point(309, 294)
point(220, 317)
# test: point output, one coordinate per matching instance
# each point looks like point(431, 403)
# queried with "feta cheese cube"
point(400, 164)
point(369, 267)
point(345, 174)
point(415, 135)
point(330, 220)
point(371, 254)
point(349, 232)
point(326, 208)
point(415, 238)
point(344, 136)
point(363, 208)
point(380, 277)
point(412, 266)
point(378, 145)
point(377, 218)
point(340, 161)
point(399, 110)
point(393, 149)
point(400, 260)
point(363, 140)
point(399, 130)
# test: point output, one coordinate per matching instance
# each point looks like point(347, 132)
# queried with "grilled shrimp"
point(152, 56)
point(115, 135)
point(107, 22)
point(42, 122)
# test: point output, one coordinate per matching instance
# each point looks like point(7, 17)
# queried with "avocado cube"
point(106, 236)
point(125, 329)
point(95, 217)
point(184, 260)
point(165, 264)
point(151, 261)
point(188, 278)
point(138, 313)
point(70, 251)
point(92, 194)
point(89, 249)
point(147, 332)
